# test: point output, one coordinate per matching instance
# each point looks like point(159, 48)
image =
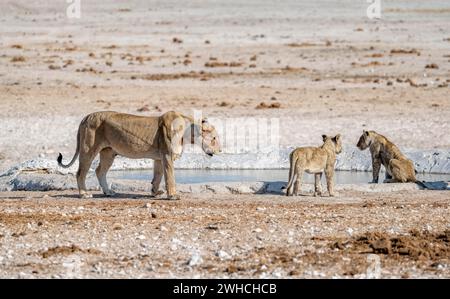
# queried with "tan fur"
point(399, 169)
point(314, 160)
point(159, 138)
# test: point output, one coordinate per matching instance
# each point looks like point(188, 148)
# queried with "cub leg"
point(387, 176)
point(169, 177)
point(290, 188)
point(318, 184)
point(329, 174)
point(398, 171)
point(86, 159)
point(158, 172)
point(107, 156)
point(298, 181)
point(376, 165)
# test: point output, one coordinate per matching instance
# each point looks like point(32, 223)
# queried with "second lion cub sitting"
point(314, 160)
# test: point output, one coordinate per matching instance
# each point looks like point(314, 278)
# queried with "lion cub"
point(399, 169)
point(314, 160)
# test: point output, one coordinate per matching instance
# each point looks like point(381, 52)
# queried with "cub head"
point(365, 140)
point(335, 141)
point(210, 139)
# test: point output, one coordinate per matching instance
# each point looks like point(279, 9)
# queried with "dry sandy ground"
point(54, 234)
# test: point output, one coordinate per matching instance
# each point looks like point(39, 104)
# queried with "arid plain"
point(318, 66)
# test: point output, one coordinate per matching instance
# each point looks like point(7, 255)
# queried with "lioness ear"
point(337, 137)
point(324, 137)
point(366, 133)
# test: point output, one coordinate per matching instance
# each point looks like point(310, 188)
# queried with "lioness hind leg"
point(158, 172)
point(107, 156)
point(83, 168)
point(318, 184)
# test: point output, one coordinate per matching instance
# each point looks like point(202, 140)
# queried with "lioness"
point(399, 169)
point(314, 160)
point(158, 138)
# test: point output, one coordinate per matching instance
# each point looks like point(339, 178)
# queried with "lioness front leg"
point(158, 172)
point(107, 156)
point(329, 174)
point(318, 184)
point(169, 177)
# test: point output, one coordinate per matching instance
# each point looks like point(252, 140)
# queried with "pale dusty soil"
point(54, 234)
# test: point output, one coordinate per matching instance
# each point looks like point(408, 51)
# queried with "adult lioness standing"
point(159, 138)
point(399, 169)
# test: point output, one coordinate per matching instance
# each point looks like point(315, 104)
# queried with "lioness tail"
point(77, 152)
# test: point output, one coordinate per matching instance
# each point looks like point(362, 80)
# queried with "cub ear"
point(337, 138)
point(366, 132)
point(324, 137)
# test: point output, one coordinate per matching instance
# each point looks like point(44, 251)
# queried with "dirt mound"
point(416, 245)
point(67, 250)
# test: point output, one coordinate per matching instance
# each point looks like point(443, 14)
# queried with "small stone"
point(223, 255)
point(195, 259)
point(117, 226)
point(212, 226)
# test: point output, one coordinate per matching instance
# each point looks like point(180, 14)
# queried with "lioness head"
point(335, 141)
point(365, 140)
point(210, 139)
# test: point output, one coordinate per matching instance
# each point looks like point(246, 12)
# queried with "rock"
point(196, 259)
point(223, 255)
point(117, 226)
point(213, 226)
